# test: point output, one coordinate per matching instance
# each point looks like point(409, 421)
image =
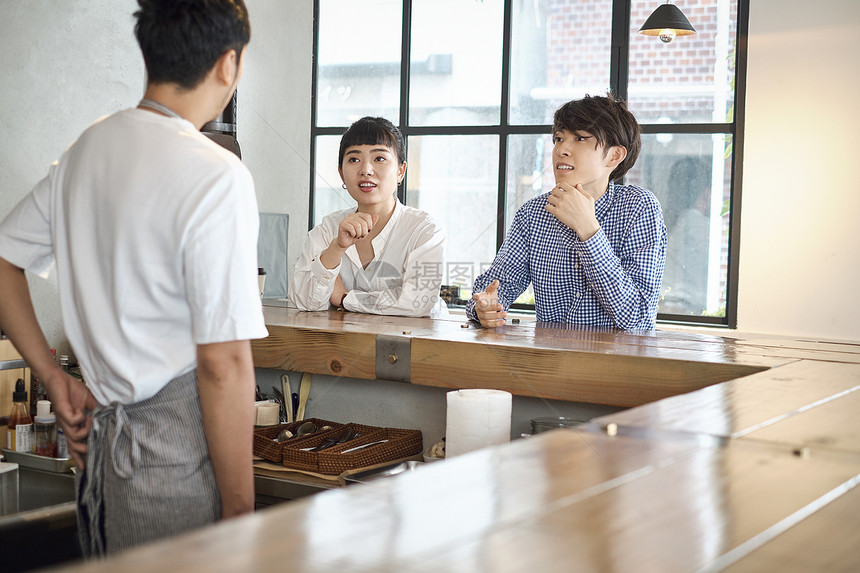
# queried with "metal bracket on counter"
point(12, 364)
point(393, 357)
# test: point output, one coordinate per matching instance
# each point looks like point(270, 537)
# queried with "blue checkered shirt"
point(611, 280)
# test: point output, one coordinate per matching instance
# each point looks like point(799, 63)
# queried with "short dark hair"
point(373, 131)
point(608, 120)
point(182, 39)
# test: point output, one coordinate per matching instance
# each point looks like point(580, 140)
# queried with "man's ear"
point(616, 155)
point(227, 67)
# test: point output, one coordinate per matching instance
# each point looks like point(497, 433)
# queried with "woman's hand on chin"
point(355, 227)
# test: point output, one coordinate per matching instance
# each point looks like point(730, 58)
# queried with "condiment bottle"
point(20, 430)
point(69, 365)
point(45, 430)
point(62, 444)
point(261, 280)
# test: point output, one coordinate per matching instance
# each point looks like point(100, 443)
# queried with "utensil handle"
point(304, 392)
point(285, 389)
point(361, 447)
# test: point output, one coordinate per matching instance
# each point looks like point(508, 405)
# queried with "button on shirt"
point(611, 280)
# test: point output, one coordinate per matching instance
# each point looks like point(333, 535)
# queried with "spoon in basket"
point(348, 434)
point(303, 430)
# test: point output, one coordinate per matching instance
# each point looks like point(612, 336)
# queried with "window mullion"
point(620, 56)
point(314, 88)
point(504, 114)
point(738, 116)
point(405, 55)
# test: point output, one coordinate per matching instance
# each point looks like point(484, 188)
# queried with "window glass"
point(689, 80)
point(356, 78)
point(529, 171)
point(329, 196)
point(455, 178)
point(560, 51)
point(691, 176)
point(456, 62)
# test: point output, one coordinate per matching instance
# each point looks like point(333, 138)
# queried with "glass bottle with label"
point(19, 433)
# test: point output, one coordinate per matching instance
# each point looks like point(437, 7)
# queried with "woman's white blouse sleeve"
point(312, 284)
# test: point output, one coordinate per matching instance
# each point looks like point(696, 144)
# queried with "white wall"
point(275, 109)
point(800, 250)
point(65, 64)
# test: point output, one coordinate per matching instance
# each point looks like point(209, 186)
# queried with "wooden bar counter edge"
point(551, 361)
point(755, 472)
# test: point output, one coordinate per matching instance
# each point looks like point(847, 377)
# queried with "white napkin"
point(267, 414)
point(476, 419)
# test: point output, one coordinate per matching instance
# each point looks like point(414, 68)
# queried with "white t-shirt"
point(153, 229)
point(403, 278)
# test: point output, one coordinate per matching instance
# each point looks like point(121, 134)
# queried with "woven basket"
point(330, 461)
point(267, 448)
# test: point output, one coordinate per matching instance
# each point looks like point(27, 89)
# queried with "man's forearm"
point(18, 320)
point(225, 376)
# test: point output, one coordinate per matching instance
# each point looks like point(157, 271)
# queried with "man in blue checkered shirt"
point(593, 250)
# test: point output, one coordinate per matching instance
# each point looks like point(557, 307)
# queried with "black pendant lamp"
point(667, 21)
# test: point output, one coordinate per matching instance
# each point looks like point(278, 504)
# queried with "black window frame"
point(619, 67)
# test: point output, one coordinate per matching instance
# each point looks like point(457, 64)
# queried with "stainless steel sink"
point(40, 527)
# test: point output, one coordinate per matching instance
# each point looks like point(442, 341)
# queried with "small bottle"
point(261, 280)
point(70, 366)
point(45, 430)
point(62, 445)
point(20, 430)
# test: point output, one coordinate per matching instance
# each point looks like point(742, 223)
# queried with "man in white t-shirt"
point(153, 231)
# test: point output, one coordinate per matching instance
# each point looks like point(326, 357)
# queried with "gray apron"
point(148, 474)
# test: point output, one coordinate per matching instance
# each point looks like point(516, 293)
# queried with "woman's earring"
point(344, 185)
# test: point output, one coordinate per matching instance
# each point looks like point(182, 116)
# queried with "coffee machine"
point(222, 130)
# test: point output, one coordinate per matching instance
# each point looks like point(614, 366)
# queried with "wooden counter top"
point(530, 359)
point(571, 500)
point(753, 474)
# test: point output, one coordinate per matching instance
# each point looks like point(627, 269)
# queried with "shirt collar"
point(383, 235)
point(601, 206)
point(379, 240)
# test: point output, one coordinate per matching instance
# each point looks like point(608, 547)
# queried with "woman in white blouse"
point(381, 257)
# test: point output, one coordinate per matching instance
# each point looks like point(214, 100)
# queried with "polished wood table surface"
point(757, 473)
point(566, 500)
point(529, 359)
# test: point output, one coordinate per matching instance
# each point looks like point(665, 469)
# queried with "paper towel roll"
point(476, 419)
point(267, 414)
